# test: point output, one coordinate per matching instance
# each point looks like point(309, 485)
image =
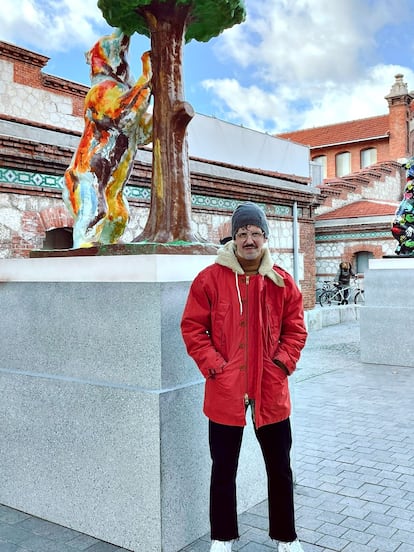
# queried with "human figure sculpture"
point(403, 224)
point(116, 121)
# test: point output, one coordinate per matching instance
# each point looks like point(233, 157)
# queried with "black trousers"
point(275, 441)
point(345, 290)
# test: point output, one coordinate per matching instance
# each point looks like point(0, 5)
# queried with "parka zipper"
point(246, 334)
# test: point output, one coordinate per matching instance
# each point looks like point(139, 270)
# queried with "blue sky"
point(292, 64)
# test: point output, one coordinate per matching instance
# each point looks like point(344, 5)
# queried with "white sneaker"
point(220, 546)
point(294, 546)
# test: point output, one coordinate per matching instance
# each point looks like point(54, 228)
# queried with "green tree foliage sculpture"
point(169, 25)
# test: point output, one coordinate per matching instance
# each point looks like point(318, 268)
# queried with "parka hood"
point(226, 256)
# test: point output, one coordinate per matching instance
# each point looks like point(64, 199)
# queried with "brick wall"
point(399, 144)
point(28, 93)
point(308, 249)
point(382, 147)
point(27, 75)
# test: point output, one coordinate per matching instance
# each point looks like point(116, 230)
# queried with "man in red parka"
point(244, 327)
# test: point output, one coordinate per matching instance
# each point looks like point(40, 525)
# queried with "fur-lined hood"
point(226, 256)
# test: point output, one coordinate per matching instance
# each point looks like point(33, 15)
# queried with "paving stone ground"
point(353, 457)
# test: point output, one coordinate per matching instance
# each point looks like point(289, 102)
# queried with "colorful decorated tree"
point(403, 225)
point(170, 24)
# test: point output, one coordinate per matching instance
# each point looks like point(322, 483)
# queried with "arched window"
point(58, 238)
point(322, 161)
point(342, 163)
point(368, 157)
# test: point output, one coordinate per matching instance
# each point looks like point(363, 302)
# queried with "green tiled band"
point(352, 236)
point(41, 180)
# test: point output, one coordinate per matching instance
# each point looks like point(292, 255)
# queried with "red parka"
point(245, 334)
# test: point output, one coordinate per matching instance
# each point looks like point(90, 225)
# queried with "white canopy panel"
point(216, 140)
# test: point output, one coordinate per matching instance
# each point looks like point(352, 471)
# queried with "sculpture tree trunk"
point(169, 218)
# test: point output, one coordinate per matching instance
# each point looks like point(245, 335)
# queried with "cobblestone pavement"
point(354, 462)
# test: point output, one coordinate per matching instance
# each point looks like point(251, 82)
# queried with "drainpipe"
point(295, 243)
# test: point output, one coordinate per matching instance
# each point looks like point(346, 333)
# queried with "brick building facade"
point(40, 125)
point(362, 182)
point(362, 142)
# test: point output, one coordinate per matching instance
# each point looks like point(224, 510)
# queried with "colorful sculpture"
point(116, 121)
point(403, 224)
point(170, 24)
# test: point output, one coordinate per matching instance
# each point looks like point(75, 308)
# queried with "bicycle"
point(335, 294)
point(326, 285)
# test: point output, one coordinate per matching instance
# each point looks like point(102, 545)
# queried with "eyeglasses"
point(254, 235)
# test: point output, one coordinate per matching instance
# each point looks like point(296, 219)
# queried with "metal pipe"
point(295, 230)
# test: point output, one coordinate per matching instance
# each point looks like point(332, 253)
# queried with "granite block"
point(82, 456)
point(385, 328)
point(102, 424)
point(115, 333)
point(388, 287)
point(385, 337)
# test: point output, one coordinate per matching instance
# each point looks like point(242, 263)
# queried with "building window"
point(368, 157)
point(343, 163)
point(321, 160)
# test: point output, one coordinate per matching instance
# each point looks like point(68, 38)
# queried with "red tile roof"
point(362, 208)
point(361, 129)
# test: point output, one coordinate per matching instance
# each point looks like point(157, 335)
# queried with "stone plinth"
point(319, 318)
point(385, 319)
point(102, 424)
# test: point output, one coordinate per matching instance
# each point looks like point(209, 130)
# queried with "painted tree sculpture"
point(170, 24)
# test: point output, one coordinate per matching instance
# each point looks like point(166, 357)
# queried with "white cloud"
point(313, 62)
point(365, 99)
point(51, 25)
point(310, 40)
point(249, 106)
point(284, 109)
point(292, 64)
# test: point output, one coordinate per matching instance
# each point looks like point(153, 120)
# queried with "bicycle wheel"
point(337, 298)
point(325, 298)
point(359, 297)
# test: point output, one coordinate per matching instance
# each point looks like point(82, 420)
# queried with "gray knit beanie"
point(248, 213)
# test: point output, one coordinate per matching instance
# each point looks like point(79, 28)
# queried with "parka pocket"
point(223, 395)
point(227, 382)
point(219, 336)
point(275, 389)
point(272, 332)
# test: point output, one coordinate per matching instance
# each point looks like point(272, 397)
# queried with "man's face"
point(249, 241)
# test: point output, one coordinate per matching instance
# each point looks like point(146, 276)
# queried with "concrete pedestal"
point(386, 317)
point(101, 416)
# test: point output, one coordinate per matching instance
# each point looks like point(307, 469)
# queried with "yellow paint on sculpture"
point(159, 180)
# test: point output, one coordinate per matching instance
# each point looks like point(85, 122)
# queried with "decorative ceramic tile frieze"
point(42, 180)
point(352, 236)
point(214, 202)
point(25, 178)
point(138, 192)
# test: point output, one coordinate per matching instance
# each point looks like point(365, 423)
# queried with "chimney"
point(399, 100)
